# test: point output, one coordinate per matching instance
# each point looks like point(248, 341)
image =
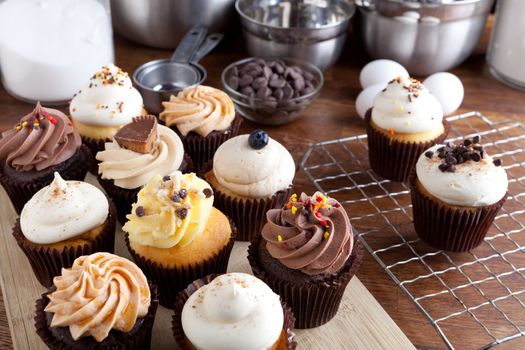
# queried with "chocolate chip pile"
point(453, 155)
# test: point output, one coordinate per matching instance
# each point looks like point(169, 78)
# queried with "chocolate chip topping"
point(429, 154)
point(140, 211)
point(176, 198)
point(207, 192)
point(497, 162)
point(166, 178)
point(182, 213)
point(183, 193)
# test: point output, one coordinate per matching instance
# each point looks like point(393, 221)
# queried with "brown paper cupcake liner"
point(183, 296)
point(20, 191)
point(48, 262)
point(95, 146)
point(138, 338)
point(394, 159)
point(171, 281)
point(451, 228)
point(315, 303)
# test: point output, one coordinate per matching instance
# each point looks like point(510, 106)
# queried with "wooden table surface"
point(332, 116)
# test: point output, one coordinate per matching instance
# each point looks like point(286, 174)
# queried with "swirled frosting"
point(42, 139)
point(236, 311)
point(171, 210)
point(108, 100)
point(129, 169)
point(310, 234)
point(63, 210)
point(406, 106)
point(100, 292)
point(254, 173)
point(201, 109)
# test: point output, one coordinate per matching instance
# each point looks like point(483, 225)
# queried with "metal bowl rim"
point(359, 4)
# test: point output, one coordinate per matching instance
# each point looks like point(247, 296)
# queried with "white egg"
point(448, 89)
point(380, 71)
point(365, 99)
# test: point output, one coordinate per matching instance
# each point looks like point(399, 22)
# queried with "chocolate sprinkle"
point(140, 211)
point(182, 213)
point(429, 154)
point(207, 192)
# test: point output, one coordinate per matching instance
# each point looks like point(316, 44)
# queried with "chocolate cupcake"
point(108, 102)
point(307, 254)
point(251, 174)
point(139, 151)
point(103, 301)
point(205, 118)
point(44, 141)
point(61, 222)
point(405, 120)
point(176, 235)
point(234, 311)
point(457, 190)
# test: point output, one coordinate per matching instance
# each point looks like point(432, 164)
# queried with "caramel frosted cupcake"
point(405, 120)
point(103, 301)
point(108, 102)
point(44, 141)
point(234, 311)
point(457, 190)
point(204, 117)
point(251, 174)
point(139, 151)
point(176, 235)
point(61, 222)
point(307, 254)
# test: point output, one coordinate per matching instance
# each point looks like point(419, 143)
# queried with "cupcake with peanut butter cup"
point(404, 121)
point(307, 254)
point(176, 235)
point(204, 117)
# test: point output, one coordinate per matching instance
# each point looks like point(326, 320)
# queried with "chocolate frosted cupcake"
point(176, 235)
point(61, 222)
point(108, 102)
point(204, 117)
point(44, 141)
point(234, 311)
point(457, 190)
point(103, 301)
point(307, 254)
point(251, 174)
point(405, 120)
point(139, 151)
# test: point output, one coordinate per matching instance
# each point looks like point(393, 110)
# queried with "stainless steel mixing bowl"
point(313, 30)
point(163, 23)
point(425, 38)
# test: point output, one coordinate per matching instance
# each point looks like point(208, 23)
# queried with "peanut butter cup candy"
point(307, 254)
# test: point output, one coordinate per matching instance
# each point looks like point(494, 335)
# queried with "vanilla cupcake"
point(405, 120)
point(457, 190)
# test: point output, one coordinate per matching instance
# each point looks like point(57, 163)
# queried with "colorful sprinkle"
point(326, 235)
point(294, 210)
point(279, 238)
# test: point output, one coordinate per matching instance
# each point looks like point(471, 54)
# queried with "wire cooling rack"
point(480, 293)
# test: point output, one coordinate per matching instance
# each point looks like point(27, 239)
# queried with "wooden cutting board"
point(360, 324)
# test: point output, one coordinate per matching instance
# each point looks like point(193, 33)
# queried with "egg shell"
point(365, 99)
point(380, 71)
point(448, 89)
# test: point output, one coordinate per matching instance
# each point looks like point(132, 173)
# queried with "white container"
point(506, 51)
point(50, 48)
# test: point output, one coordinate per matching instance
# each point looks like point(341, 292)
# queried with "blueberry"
point(258, 139)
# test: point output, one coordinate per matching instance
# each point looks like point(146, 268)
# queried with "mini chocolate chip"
point(497, 162)
point(176, 198)
point(248, 91)
point(475, 139)
point(207, 192)
point(234, 82)
point(308, 76)
point(166, 178)
point(183, 193)
point(482, 154)
point(278, 94)
point(467, 156)
point(429, 154)
point(451, 169)
point(441, 155)
point(441, 149)
point(460, 159)
point(140, 211)
point(245, 80)
point(475, 157)
point(449, 144)
point(259, 83)
point(451, 160)
point(467, 142)
point(443, 167)
point(182, 213)
point(478, 148)
point(277, 83)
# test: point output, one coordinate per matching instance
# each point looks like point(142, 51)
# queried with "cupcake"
point(61, 222)
point(101, 108)
point(234, 311)
point(103, 301)
point(307, 254)
point(405, 120)
point(176, 235)
point(457, 190)
point(139, 151)
point(204, 117)
point(44, 141)
point(251, 174)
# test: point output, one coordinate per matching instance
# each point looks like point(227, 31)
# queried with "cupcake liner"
point(183, 296)
point(315, 303)
point(137, 339)
point(95, 146)
point(20, 190)
point(451, 228)
point(171, 281)
point(394, 159)
point(48, 262)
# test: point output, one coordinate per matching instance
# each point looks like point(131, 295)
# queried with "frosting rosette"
point(100, 292)
point(310, 234)
point(201, 109)
point(170, 210)
point(43, 138)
